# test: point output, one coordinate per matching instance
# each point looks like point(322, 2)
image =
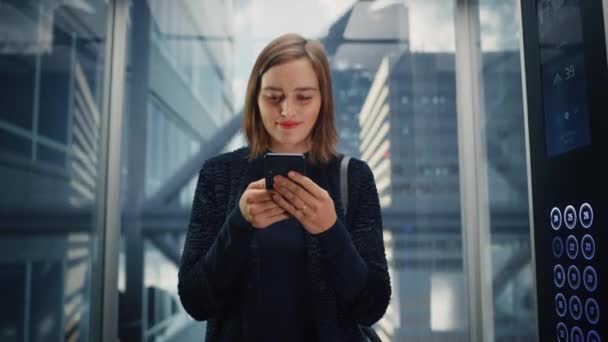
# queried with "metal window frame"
point(104, 297)
point(605, 7)
point(524, 91)
point(472, 154)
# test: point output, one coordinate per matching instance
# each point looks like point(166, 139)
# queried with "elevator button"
point(585, 214)
point(590, 278)
point(588, 247)
point(556, 218)
point(592, 311)
point(572, 247)
point(558, 246)
point(560, 305)
point(576, 307)
point(592, 336)
point(574, 277)
point(576, 335)
point(570, 217)
point(562, 332)
point(559, 276)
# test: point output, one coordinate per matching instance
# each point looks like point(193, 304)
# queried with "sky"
point(431, 26)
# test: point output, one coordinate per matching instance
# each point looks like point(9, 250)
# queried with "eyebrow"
point(280, 89)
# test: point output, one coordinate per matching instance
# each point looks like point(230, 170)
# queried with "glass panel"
point(514, 314)
point(50, 122)
point(178, 97)
point(397, 104)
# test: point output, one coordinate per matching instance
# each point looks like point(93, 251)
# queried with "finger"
point(276, 210)
point(256, 196)
point(288, 195)
point(291, 189)
point(307, 183)
point(263, 207)
point(281, 215)
point(290, 208)
point(259, 184)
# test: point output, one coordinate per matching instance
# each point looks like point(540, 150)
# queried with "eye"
point(273, 98)
point(304, 98)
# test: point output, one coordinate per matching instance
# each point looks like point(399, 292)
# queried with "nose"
point(286, 108)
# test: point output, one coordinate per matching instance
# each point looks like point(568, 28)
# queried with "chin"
point(289, 140)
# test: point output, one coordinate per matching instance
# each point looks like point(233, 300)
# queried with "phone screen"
point(281, 164)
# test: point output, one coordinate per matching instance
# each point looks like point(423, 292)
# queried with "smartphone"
point(280, 164)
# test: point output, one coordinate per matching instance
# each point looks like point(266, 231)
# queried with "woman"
point(285, 264)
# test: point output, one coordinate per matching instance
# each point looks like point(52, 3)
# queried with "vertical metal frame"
point(472, 154)
point(605, 10)
point(27, 301)
point(135, 296)
point(104, 303)
point(524, 92)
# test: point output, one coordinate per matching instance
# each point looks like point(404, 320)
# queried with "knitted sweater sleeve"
point(215, 248)
point(355, 254)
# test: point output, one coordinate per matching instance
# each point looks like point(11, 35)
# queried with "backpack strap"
point(344, 182)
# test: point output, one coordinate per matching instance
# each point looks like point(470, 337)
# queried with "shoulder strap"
point(344, 183)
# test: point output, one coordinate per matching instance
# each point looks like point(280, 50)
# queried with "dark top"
point(284, 312)
point(222, 275)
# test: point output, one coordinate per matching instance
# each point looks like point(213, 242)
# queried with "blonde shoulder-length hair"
point(284, 49)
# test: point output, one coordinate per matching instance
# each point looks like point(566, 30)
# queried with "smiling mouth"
point(288, 125)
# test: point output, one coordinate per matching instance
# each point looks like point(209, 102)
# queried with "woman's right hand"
point(258, 207)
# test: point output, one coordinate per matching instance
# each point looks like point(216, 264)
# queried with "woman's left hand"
point(306, 201)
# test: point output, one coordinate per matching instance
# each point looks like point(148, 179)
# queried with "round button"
point(592, 311)
point(572, 247)
point(570, 217)
point(574, 277)
point(576, 307)
point(559, 276)
point(576, 335)
point(562, 332)
point(592, 336)
point(588, 247)
point(556, 218)
point(560, 305)
point(590, 279)
point(585, 214)
point(558, 247)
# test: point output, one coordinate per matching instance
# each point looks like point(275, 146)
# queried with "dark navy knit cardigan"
point(347, 270)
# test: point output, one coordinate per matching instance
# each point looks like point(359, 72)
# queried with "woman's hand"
point(257, 206)
point(306, 201)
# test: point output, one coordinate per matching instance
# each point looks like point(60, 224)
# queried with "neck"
point(290, 148)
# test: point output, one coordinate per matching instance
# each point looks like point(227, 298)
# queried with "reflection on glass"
point(514, 315)
point(396, 109)
point(178, 98)
point(52, 57)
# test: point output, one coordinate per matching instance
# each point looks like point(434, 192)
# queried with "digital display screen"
point(564, 76)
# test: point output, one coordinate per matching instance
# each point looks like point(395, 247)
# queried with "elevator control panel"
point(566, 78)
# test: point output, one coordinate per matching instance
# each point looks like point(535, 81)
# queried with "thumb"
point(259, 184)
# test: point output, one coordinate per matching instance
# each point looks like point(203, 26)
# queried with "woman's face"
point(289, 103)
